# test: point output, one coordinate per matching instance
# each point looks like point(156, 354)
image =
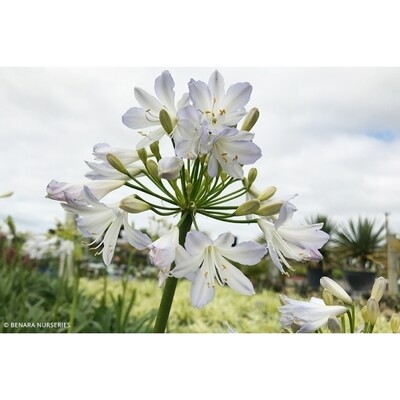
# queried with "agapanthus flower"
point(220, 109)
point(308, 316)
point(286, 240)
point(147, 115)
point(101, 222)
point(99, 188)
point(206, 262)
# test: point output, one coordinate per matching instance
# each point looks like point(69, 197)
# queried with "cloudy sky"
point(332, 135)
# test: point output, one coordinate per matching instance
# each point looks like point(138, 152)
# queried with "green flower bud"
point(251, 177)
point(269, 209)
point(395, 322)
point(372, 310)
point(335, 289)
point(166, 121)
point(117, 164)
point(133, 205)
point(334, 325)
point(379, 288)
point(327, 297)
point(189, 188)
point(250, 119)
point(248, 207)
point(364, 314)
point(142, 153)
point(152, 168)
point(155, 149)
point(267, 193)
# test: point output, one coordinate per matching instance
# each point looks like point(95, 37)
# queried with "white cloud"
point(316, 130)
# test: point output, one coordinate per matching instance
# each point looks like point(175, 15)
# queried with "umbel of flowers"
point(210, 136)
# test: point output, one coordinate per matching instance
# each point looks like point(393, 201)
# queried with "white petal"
point(184, 101)
point(200, 293)
point(312, 326)
point(150, 138)
point(213, 166)
point(147, 101)
point(285, 214)
point(136, 238)
point(246, 253)
point(233, 277)
point(217, 87)
point(245, 152)
point(110, 239)
point(164, 88)
point(200, 95)
point(186, 263)
point(137, 118)
point(225, 240)
point(237, 96)
point(196, 242)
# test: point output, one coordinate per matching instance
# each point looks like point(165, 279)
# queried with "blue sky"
point(328, 134)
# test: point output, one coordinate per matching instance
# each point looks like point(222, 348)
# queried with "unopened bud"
point(248, 207)
point(152, 168)
point(379, 288)
point(8, 194)
point(327, 297)
point(252, 175)
point(250, 119)
point(169, 168)
point(395, 322)
point(189, 188)
point(166, 121)
point(269, 209)
point(372, 310)
point(117, 164)
point(364, 314)
point(142, 154)
point(335, 289)
point(133, 205)
point(155, 149)
point(334, 325)
point(267, 193)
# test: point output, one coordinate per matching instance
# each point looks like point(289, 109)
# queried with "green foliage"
point(360, 242)
point(30, 297)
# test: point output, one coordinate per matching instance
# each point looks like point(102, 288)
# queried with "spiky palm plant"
point(360, 242)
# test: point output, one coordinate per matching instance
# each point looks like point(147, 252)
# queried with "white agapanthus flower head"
point(146, 117)
point(308, 315)
point(206, 262)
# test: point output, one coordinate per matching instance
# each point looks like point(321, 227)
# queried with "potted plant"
point(316, 270)
point(359, 245)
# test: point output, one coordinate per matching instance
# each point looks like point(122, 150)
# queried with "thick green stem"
point(170, 284)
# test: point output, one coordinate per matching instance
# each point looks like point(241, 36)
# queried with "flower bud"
point(169, 168)
point(142, 154)
point(8, 194)
point(372, 310)
point(379, 288)
point(327, 297)
point(267, 193)
point(334, 325)
point(252, 175)
point(117, 164)
point(133, 205)
point(250, 119)
point(166, 121)
point(189, 188)
point(269, 209)
point(364, 314)
point(155, 149)
point(395, 322)
point(335, 289)
point(248, 207)
point(152, 168)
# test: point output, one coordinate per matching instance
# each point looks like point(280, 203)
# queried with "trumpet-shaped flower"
point(286, 240)
point(74, 191)
point(310, 316)
point(126, 156)
point(206, 262)
point(220, 109)
point(147, 115)
point(102, 222)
